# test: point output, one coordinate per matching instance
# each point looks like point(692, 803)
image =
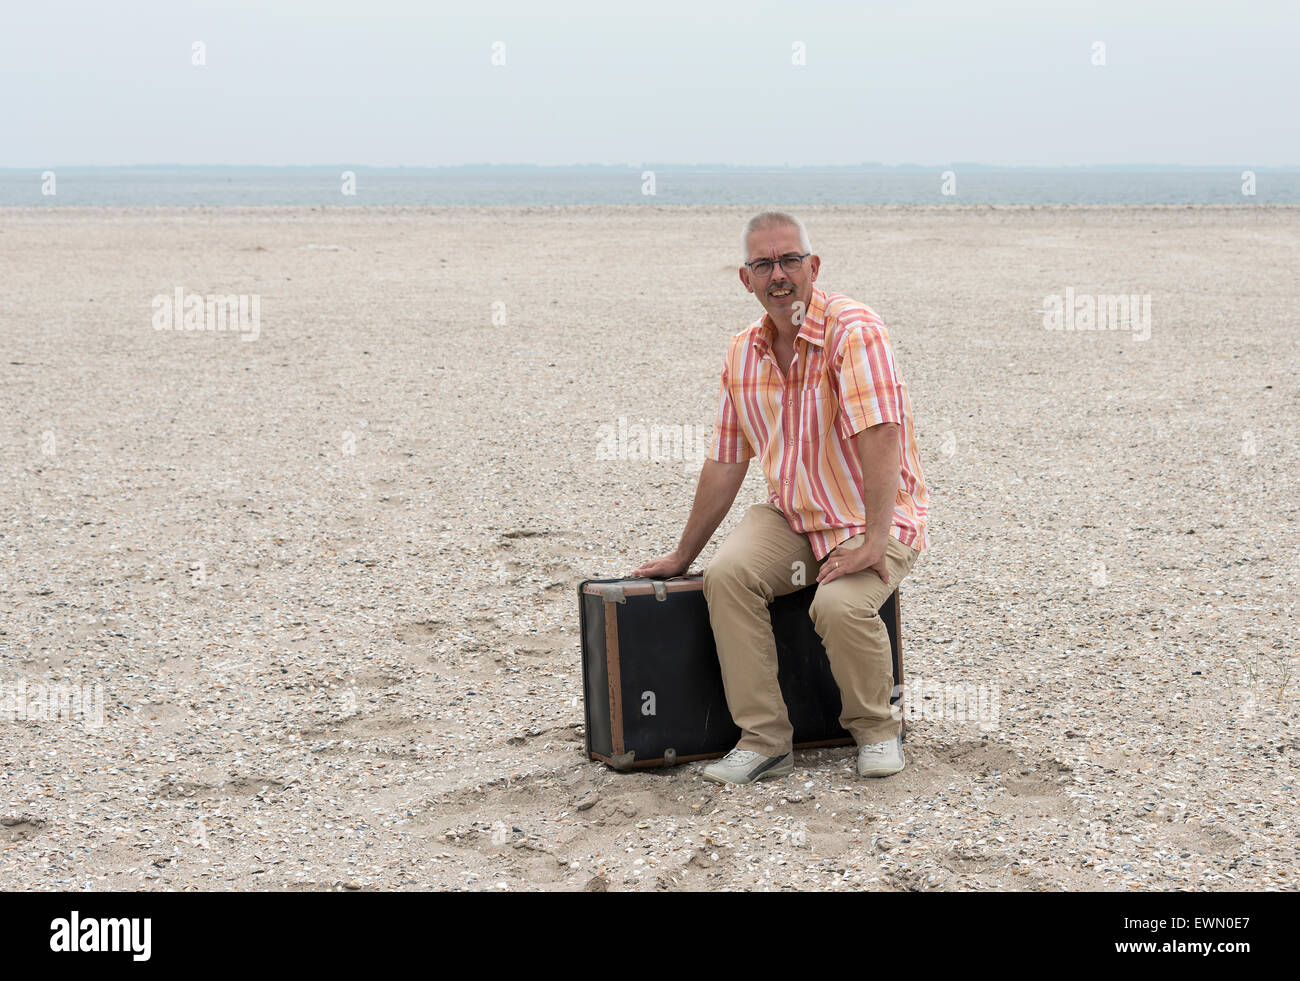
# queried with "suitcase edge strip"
point(612, 675)
point(898, 659)
point(618, 589)
point(586, 691)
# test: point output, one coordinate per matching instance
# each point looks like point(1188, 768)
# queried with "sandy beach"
point(324, 572)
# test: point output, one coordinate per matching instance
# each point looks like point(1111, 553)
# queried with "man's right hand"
point(663, 568)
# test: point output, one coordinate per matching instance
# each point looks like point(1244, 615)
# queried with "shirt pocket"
point(817, 410)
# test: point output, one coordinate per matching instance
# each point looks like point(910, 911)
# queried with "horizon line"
point(970, 165)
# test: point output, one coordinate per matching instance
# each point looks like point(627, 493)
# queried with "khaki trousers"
point(761, 560)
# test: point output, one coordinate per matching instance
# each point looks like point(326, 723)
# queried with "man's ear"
point(744, 278)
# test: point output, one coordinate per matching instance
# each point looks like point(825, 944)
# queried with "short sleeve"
point(870, 388)
point(728, 444)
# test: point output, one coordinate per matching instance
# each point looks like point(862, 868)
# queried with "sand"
point(327, 578)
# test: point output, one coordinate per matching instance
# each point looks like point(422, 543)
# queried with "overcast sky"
point(384, 82)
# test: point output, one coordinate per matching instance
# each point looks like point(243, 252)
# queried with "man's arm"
point(872, 402)
point(878, 455)
point(719, 484)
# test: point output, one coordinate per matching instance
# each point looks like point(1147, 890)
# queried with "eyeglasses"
point(790, 263)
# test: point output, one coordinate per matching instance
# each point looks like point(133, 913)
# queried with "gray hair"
point(766, 219)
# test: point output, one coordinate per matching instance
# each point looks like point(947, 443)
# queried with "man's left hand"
point(845, 561)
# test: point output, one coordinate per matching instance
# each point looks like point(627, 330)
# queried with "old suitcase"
point(651, 682)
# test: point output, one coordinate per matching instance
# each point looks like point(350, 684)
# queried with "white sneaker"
point(881, 759)
point(745, 766)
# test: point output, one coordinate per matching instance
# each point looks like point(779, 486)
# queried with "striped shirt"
point(842, 380)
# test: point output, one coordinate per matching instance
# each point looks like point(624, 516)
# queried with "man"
point(812, 390)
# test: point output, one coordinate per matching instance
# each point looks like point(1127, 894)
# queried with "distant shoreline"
point(679, 168)
point(72, 210)
point(345, 186)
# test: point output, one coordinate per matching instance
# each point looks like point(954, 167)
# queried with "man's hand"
point(846, 560)
point(670, 565)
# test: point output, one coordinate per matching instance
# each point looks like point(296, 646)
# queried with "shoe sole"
point(884, 773)
point(778, 771)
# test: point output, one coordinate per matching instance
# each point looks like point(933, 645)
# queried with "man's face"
point(772, 243)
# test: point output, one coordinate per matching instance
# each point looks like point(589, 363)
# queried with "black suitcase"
point(651, 682)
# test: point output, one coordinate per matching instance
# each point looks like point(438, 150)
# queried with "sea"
point(648, 184)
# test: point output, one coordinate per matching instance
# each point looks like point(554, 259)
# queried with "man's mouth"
point(781, 293)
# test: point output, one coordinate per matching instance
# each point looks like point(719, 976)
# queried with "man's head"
point(768, 237)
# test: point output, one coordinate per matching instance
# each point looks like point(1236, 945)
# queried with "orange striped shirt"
point(842, 380)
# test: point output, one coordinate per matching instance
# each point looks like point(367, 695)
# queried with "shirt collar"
point(813, 329)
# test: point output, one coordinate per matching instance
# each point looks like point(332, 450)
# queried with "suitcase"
point(652, 687)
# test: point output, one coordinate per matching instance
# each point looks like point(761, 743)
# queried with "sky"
point(387, 83)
